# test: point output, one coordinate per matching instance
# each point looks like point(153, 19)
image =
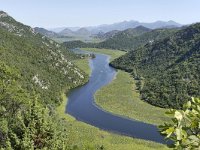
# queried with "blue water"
point(81, 105)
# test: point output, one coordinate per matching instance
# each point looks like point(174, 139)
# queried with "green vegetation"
point(24, 122)
point(168, 71)
point(126, 101)
point(83, 64)
point(35, 57)
point(184, 130)
point(34, 71)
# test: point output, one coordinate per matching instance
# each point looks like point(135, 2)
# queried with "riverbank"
point(121, 97)
point(85, 136)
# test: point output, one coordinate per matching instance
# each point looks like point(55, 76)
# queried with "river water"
point(81, 105)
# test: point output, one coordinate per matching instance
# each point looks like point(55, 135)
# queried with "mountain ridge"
point(167, 70)
point(125, 25)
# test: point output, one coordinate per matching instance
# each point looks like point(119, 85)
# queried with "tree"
point(185, 129)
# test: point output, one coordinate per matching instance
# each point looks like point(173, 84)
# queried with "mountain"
point(115, 35)
point(125, 40)
point(59, 29)
point(107, 35)
point(45, 32)
point(103, 32)
point(66, 32)
point(132, 38)
point(167, 70)
point(34, 73)
point(41, 55)
point(79, 32)
point(82, 32)
point(128, 32)
point(56, 30)
point(161, 24)
point(122, 26)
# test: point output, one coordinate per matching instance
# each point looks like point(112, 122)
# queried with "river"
point(82, 106)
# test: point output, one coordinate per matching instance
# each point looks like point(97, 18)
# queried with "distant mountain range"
point(121, 26)
point(127, 40)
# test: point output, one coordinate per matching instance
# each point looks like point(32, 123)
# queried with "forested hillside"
point(168, 70)
point(127, 40)
point(107, 35)
point(34, 72)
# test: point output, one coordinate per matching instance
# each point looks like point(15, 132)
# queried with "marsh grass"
point(121, 97)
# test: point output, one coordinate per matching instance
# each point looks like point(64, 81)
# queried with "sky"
point(73, 13)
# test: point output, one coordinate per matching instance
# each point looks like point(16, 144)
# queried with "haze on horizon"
point(73, 13)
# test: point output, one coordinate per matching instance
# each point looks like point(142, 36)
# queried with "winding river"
point(81, 105)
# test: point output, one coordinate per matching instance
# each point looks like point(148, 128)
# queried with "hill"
point(82, 32)
point(78, 44)
point(123, 26)
point(45, 32)
point(66, 32)
point(167, 70)
point(132, 38)
point(79, 32)
point(34, 72)
point(107, 35)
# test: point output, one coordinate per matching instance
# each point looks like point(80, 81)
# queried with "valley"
point(100, 136)
point(75, 76)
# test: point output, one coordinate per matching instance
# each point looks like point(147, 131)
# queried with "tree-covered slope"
point(44, 65)
point(168, 70)
point(127, 40)
point(34, 72)
point(107, 35)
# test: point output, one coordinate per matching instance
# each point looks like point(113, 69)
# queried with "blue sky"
point(59, 13)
